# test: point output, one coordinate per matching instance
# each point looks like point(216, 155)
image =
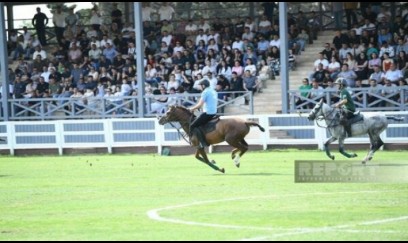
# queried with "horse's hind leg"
point(204, 159)
point(376, 144)
point(233, 152)
point(241, 146)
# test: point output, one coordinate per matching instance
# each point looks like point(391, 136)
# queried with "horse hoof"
point(332, 157)
point(213, 162)
point(353, 155)
point(370, 158)
point(363, 162)
point(222, 170)
point(237, 165)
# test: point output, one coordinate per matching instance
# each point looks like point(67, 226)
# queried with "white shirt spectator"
point(166, 12)
point(59, 19)
point(389, 49)
point(42, 53)
point(393, 75)
point(95, 19)
point(178, 48)
point(201, 37)
point(104, 41)
point(238, 45)
point(205, 26)
point(146, 13)
point(343, 53)
point(125, 89)
point(167, 39)
point(322, 61)
point(191, 28)
point(251, 68)
point(275, 43)
point(96, 42)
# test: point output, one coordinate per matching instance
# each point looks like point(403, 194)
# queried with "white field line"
point(338, 227)
point(154, 214)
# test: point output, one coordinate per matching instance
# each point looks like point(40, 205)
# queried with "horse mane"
point(184, 109)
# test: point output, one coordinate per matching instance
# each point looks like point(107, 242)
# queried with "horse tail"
point(395, 118)
point(249, 124)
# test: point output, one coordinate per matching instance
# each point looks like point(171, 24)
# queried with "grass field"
point(149, 197)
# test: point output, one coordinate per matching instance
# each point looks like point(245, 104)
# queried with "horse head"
point(316, 111)
point(176, 114)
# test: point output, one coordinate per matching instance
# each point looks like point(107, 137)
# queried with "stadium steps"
point(270, 101)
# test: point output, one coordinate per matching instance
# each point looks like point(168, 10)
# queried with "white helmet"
point(341, 81)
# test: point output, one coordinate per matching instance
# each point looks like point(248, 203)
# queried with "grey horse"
point(373, 125)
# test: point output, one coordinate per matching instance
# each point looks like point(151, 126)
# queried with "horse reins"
point(324, 118)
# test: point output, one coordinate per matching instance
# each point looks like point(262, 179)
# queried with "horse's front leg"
point(343, 152)
point(204, 159)
point(326, 147)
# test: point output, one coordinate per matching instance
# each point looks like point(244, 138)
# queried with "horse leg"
point(241, 146)
point(233, 152)
point(204, 159)
point(376, 144)
point(326, 147)
point(343, 152)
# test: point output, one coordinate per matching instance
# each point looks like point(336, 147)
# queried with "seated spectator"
point(251, 83)
point(386, 49)
point(160, 102)
point(74, 54)
point(359, 97)
point(334, 68)
point(389, 91)
point(332, 89)
point(236, 84)
point(316, 93)
point(394, 75)
point(402, 85)
point(361, 67)
point(320, 74)
point(343, 52)
point(347, 74)
point(304, 93)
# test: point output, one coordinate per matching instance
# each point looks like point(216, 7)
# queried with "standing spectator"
point(350, 8)
point(96, 21)
point(116, 16)
point(71, 20)
point(59, 23)
point(147, 11)
point(39, 21)
point(268, 8)
point(338, 14)
point(166, 12)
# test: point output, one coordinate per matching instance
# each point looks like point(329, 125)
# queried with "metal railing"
point(395, 99)
point(109, 107)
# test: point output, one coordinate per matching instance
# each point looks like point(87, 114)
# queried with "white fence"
point(116, 133)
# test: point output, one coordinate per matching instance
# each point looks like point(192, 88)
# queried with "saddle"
point(356, 118)
point(347, 122)
point(210, 126)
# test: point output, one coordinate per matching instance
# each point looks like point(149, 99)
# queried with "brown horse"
point(231, 130)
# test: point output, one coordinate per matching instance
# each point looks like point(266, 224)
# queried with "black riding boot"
point(201, 137)
point(347, 127)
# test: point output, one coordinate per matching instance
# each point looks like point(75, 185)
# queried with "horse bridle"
point(325, 117)
point(181, 133)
